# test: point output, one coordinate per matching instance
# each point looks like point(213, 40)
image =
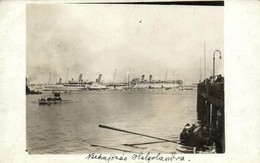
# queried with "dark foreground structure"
point(210, 109)
point(30, 92)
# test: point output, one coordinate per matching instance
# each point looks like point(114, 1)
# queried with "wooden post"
point(208, 113)
point(214, 117)
point(210, 116)
point(198, 103)
point(204, 111)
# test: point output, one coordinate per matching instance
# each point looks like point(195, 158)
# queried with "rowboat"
point(48, 102)
point(189, 149)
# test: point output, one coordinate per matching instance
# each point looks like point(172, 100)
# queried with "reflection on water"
point(73, 127)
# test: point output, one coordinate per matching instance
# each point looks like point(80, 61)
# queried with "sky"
point(140, 39)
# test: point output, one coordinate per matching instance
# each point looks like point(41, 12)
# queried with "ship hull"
point(63, 88)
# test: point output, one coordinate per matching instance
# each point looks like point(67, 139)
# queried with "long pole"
point(214, 65)
point(153, 142)
point(116, 129)
point(166, 75)
point(214, 61)
point(205, 75)
point(129, 75)
point(114, 77)
point(117, 149)
point(200, 70)
point(127, 79)
point(175, 79)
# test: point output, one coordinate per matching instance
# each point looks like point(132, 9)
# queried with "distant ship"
point(63, 87)
point(70, 86)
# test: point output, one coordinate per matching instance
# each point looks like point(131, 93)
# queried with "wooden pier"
point(210, 109)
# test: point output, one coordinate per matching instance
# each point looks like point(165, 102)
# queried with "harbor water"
point(73, 127)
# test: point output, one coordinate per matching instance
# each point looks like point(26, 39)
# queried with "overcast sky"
point(93, 39)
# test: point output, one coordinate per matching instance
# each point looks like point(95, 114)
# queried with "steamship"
point(70, 86)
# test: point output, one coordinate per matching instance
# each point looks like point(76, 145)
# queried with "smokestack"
point(150, 78)
point(80, 77)
point(142, 78)
point(99, 78)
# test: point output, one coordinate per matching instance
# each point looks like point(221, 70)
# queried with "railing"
point(210, 110)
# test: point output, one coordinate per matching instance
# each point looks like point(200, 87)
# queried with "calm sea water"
point(71, 128)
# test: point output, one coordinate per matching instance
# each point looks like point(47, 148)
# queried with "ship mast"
point(205, 75)
point(67, 75)
point(114, 77)
point(166, 76)
point(128, 77)
point(200, 70)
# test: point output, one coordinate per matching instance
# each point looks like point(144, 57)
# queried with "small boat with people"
point(50, 100)
point(195, 139)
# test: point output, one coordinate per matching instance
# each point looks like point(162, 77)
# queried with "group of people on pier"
point(196, 135)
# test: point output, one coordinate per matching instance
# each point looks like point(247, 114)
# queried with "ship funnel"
point(150, 78)
point(142, 78)
point(99, 78)
point(80, 77)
